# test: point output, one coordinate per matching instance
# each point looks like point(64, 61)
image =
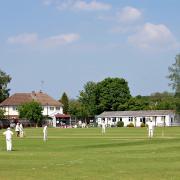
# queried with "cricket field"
point(86, 154)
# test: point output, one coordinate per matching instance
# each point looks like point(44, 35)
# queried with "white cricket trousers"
point(150, 133)
point(45, 137)
point(103, 130)
point(9, 144)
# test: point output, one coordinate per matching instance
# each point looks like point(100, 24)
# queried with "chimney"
point(33, 93)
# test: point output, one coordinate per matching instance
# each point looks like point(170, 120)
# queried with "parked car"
point(4, 123)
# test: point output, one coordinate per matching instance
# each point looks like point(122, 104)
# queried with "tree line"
point(113, 94)
point(110, 94)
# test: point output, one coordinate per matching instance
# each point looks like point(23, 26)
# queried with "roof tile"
point(21, 98)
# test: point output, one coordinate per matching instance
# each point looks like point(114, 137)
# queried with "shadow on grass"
point(130, 143)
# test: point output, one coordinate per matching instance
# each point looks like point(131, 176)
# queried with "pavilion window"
point(52, 108)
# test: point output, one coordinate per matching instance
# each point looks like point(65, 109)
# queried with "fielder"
point(45, 133)
point(17, 129)
point(21, 130)
point(8, 133)
point(103, 127)
point(150, 129)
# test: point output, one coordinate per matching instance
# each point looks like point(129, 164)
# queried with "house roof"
point(65, 116)
point(21, 98)
point(136, 113)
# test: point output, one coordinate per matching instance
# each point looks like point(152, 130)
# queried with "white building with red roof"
point(50, 106)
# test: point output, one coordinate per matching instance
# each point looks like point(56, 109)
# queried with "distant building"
point(50, 106)
point(159, 117)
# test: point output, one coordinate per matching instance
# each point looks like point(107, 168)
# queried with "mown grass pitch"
point(79, 154)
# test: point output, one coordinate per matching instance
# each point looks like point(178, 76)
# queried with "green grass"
point(85, 154)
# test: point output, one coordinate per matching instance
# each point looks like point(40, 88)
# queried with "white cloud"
point(25, 38)
point(93, 5)
point(32, 38)
point(129, 14)
point(61, 39)
point(152, 36)
point(78, 5)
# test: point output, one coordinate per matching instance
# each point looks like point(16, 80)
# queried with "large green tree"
point(4, 80)
point(174, 77)
point(162, 101)
point(65, 101)
point(156, 101)
point(31, 111)
point(106, 95)
point(135, 104)
point(113, 92)
point(77, 110)
point(89, 98)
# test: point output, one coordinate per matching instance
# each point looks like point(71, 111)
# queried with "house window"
point(113, 119)
point(130, 119)
point(57, 108)
point(14, 108)
point(52, 108)
point(120, 118)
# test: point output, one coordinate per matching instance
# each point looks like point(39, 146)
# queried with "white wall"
point(11, 110)
point(47, 110)
point(159, 121)
point(51, 110)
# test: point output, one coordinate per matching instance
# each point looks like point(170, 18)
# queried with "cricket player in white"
point(150, 129)
point(103, 127)
point(45, 133)
point(21, 130)
point(17, 129)
point(8, 133)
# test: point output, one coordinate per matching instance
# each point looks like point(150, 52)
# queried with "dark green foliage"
point(142, 124)
point(77, 110)
point(120, 124)
point(156, 101)
point(31, 111)
point(106, 95)
point(130, 125)
point(162, 101)
point(89, 98)
point(174, 77)
point(2, 113)
point(74, 106)
point(113, 92)
point(65, 101)
point(177, 99)
point(135, 103)
point(4, 80)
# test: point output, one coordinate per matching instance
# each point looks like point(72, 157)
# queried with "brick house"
point(50, 106)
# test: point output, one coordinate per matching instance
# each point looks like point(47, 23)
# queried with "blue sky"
point(60, 45)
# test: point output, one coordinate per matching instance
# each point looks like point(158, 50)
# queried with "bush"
point(130, 125)
point(113, 125)
point(120, 124)
point(142, 124)
point(95, 124)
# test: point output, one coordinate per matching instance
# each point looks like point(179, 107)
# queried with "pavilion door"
point(144, 120)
